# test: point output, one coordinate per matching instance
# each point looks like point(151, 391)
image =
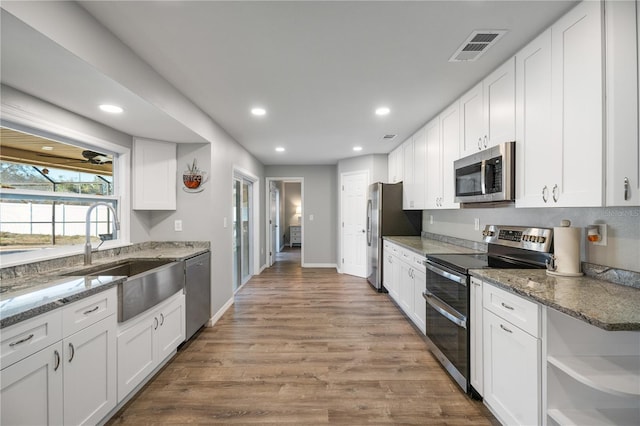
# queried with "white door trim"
point(267, 197)
point(239, 172)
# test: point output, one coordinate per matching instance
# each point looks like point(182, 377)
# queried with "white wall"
point(623, 245)
point(320, 200)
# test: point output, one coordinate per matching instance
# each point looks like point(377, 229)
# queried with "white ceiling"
point(319, 68)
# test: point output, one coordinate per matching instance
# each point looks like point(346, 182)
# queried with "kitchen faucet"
point(87, 245)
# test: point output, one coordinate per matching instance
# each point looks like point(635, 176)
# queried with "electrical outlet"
point(476, 224)
point(430, 219)
point(311, 218)
point(177, 225)
point(224, 222)
point(598, 238)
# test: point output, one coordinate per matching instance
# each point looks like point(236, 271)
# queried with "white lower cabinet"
point(31, 389)
point(593, 375)
point(72, 381)
point(145, 341)
point(512, 379)
point(419, 313)
point(475, 336)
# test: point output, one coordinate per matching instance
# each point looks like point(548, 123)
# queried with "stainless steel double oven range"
point(448, 289)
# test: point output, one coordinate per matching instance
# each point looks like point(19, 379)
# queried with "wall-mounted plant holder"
point(597, 234)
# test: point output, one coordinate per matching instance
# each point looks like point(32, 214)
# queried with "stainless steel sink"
point(149, 282)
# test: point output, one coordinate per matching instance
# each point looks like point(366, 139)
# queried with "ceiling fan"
point(91, 157)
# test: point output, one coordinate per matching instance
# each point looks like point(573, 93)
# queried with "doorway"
point(243, 230)
point(285, 204)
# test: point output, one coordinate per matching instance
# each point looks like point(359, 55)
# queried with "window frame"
point(121, 178)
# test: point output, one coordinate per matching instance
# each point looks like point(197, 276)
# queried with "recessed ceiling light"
point(47, 148)
point(280, 149)
point(357, 148)
point(114, 109)
point(258, 111)
point(383, 111)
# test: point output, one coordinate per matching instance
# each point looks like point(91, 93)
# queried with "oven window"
point(468, 180)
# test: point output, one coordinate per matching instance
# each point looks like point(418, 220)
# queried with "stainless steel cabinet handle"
point(485, 141)
point(73, 352)
point(56, 354)
point(626, 188)
point(479, 144)
point(505, 329)
point(477, 284)
point(555, 193)
point(155, 327)
point(162, 317)
point(507, 306)
point(26, 339)
point(91, 310)
point(545, 194)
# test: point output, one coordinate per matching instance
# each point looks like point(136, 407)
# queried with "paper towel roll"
point(567, 251)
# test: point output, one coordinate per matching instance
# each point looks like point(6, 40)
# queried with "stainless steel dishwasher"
point(197, 292)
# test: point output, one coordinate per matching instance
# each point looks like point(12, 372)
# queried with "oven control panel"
point(538, 239)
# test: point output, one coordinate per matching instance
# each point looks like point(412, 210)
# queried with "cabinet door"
point(419, 314)
point(499, 105)
point(397, 277)
point(623, 160)
point(449, 152)
point(512, 379)
point(171, 331)
point(475, 336)
point(154, 175)
point(387, 271)
point(137, 354)
point(399, 164)
point(408, 199)
point(537, 163)
point(90, 373)
point(434, 169)
point(391, 167)
point(419, 168)
point(31, 390)
point(472, 116)
point(406, 288)
point(577, 106)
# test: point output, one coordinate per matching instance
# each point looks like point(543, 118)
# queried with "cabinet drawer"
point(405, 255)
point(418, 262)
point(88, 311)
point(513, 308)
point(28, 337)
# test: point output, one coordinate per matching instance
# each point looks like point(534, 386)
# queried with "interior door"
point(274, 216)
point(354, 223)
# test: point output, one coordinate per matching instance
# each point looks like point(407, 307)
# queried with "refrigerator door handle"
point(369, 212)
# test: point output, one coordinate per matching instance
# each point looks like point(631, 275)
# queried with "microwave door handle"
point(483, 178)
point(444, 309)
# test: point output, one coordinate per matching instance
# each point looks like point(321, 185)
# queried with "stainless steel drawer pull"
point(162, 317)
point(57, 355)
point(626, 188)
point(91, 310)
point(507, 306)
point(155, 327)
point(73, 352)
point(505, 329)
point(26, 339)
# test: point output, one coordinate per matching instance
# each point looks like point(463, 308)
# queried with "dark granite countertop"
point(424, 246)
point(601, 303)
point(33, 292)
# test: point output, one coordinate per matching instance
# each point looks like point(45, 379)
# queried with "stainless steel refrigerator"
point(385, 217)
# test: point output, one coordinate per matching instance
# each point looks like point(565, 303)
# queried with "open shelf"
point(616, 375)
point(601, 417)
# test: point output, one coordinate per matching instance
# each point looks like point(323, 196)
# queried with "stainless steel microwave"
point(486, 176)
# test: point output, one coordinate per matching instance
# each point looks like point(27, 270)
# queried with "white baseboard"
point(262, 268)
point(320, 265)
point(219, 314)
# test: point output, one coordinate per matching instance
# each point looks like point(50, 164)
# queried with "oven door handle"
point(444, 309)
point(446, 274)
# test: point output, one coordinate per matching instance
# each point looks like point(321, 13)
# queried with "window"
point(46, 190)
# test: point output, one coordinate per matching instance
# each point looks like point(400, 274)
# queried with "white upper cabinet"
point(488, 111)
point(536, 166)
point(443, 141)
point(560, 114)
point(623, 160)
point(396, 165)
point(415, 162)
point(154, 175)
point(577, 108)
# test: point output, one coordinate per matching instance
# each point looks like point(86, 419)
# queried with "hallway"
point(305, 346)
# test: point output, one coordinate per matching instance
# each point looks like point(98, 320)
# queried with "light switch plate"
point(476, 224)
point(177, 225)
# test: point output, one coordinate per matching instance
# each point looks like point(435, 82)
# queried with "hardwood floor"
point(305, 347)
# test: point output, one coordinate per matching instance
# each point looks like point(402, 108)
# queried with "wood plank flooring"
point(305, 346)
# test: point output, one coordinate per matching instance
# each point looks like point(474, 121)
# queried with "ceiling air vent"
point(476, 44)
point(389, 137)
